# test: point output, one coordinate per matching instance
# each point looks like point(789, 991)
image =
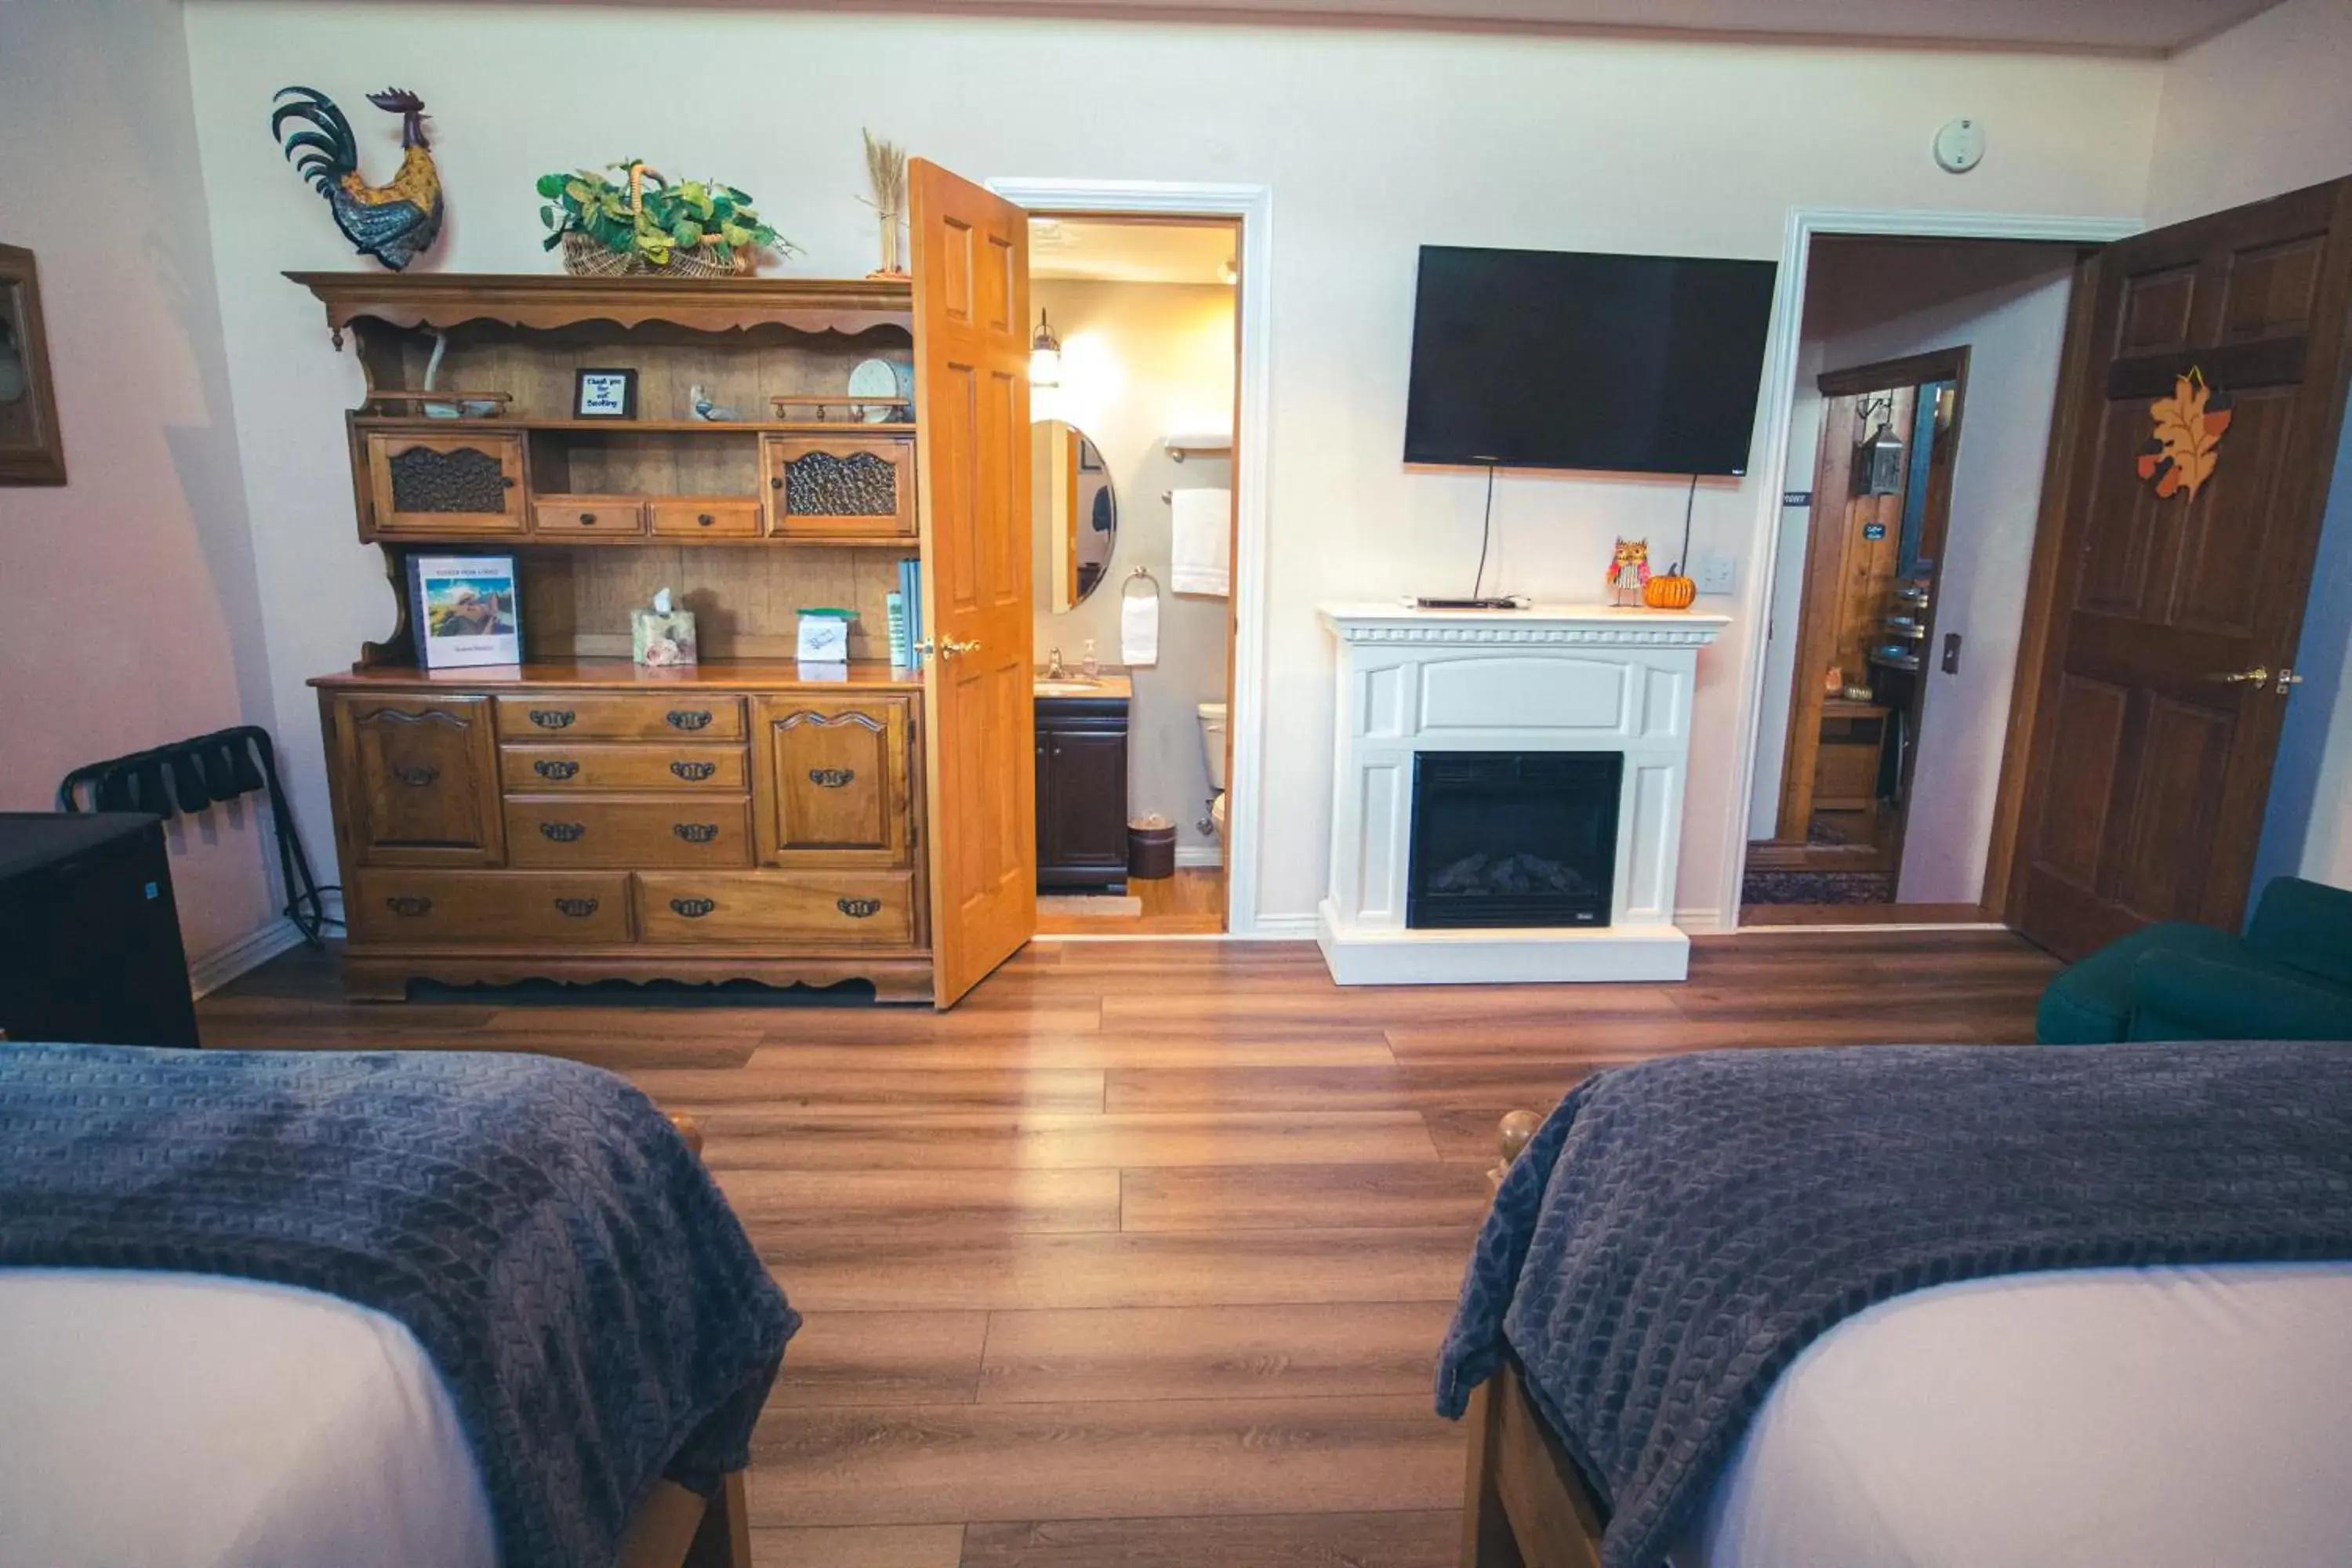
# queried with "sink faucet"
point(1053, 670)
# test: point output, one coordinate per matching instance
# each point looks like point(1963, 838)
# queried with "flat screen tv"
point(1540, 359)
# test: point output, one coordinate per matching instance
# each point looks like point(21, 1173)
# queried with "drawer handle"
point(689, 717)
point(704, 518)
point(694, 772)
point(563, 832)
point(588, 519)
point(552, 718)
point(858, 909)
point(693, 908)
point(578, 909)
point(776, 483)
point(831, 778)
point(555, 769)
point(507, 480)
point(696, 832)
point(416, 778)
point(409, 904)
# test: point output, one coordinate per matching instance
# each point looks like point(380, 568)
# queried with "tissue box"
point(660, 639)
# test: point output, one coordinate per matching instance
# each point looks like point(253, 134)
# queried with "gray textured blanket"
point(584, 1292)
point(1679, 1231)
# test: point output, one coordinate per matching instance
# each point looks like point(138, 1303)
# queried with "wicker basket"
point(584, 258)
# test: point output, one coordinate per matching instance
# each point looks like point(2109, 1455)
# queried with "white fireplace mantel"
point(1564, 678)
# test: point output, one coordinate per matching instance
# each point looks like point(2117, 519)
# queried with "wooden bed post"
point(673, 1528)
point(1524, 1505)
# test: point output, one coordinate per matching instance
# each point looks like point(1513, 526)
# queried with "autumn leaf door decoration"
point(2188, 427)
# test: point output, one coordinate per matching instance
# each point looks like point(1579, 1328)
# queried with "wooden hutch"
point(580, 818)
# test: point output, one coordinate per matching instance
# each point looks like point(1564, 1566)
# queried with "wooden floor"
point(1142, 1255)
point(1190, 903)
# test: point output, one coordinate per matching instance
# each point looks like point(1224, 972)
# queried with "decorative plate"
point(875, 379)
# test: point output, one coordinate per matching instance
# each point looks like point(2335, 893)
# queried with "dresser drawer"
point(609, 831)
point(429, 907)
point(588, 517)
point(849, 908)
point(705, 517)
point(591, 716)
point(645, 770)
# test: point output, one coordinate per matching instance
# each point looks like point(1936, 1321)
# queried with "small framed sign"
point(30, 450)
point(604, 394)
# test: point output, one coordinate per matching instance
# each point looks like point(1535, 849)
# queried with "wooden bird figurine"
point(393, 222)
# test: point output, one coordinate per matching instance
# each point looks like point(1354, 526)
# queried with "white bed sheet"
point(2153, 1418)
point(157, 1420)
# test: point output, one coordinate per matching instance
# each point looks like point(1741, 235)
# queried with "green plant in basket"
point(650, 224)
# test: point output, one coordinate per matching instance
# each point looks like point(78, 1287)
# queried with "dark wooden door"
point(2152, 739)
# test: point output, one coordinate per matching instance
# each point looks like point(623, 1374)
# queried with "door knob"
point(950, 647)
point(2254, 676)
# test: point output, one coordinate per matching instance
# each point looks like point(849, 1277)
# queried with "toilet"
point(1212, 752)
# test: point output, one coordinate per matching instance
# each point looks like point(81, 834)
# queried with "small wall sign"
point(1796, 497)
point(1874, 531)
point(605, 394)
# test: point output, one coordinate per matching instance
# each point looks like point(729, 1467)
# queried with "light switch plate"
point(1716, 573)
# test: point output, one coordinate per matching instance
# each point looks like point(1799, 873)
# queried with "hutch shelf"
point(577, 817)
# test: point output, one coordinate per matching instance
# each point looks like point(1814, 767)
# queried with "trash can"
point(1152, 846)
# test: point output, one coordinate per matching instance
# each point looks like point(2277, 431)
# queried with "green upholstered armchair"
point(2290, 978)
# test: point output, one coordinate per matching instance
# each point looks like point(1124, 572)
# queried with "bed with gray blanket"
point(1924, 1305)
point(504, 1283)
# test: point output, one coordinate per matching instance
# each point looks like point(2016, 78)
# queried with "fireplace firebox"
point(1513, 838)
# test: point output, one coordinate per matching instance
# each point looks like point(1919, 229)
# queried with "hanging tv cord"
point(1478, 599)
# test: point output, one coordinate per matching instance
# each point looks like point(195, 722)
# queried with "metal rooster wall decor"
point(391, 221)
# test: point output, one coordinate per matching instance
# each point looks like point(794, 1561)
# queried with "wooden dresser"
point(592, 819)
point(578, 817)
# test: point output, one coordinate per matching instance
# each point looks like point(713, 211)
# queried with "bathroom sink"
point(1065, 688)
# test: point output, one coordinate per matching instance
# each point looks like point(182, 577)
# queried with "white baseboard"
point(1281, 928)
point(1200, 856)
point(208, 972)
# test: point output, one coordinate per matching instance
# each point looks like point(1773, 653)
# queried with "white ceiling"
point(2125, 27)
point(1110, 252)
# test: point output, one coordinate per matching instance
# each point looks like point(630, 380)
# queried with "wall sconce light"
point(1044, 354)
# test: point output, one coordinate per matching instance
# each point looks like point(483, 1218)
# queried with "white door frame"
point(1253, 204)
point(1779, 387)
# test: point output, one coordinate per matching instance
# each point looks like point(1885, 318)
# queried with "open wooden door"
point(970, 256)
point(2171, 619)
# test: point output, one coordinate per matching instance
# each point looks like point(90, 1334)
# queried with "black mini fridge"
point(89, 939)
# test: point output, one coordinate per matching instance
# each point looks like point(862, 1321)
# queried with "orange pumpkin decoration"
point(1671, 591)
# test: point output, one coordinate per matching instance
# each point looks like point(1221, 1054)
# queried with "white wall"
point(1374, 143)
point(2261, 109)
point(130, 615)
point(2254, 112)
point(1141, 360)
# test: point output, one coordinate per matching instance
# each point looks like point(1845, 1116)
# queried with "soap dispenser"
point(1088, 665)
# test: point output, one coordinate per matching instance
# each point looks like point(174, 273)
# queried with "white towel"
point(1138, 628)
point(1200, 559)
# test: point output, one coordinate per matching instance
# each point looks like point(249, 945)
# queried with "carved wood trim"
point(800, 716)
point(403, 716)
point(846, 306)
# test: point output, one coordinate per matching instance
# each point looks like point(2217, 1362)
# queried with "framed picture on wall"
point(32, 451)
point(605, 394)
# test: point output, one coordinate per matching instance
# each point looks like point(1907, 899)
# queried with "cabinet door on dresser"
point(417, 777)
point(431, 485)
point(831, 781)
point(840, 487)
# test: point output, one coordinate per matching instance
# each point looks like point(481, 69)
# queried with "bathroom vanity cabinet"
point(1082, 791)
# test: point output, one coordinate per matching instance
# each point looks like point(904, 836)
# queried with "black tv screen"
point(1540, 359)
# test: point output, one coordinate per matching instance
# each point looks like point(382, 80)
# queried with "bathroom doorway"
point(1134, 379)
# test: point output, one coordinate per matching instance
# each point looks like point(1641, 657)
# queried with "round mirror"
point(1077, 513)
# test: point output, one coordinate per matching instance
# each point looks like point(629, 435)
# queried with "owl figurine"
point(1629, 572)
